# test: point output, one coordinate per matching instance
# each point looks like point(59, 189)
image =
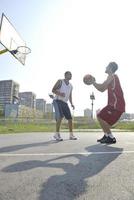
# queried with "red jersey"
point(115, 94)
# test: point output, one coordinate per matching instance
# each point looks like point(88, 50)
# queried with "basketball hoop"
point(22, 50)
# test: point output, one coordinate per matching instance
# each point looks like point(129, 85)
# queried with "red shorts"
point(109, 115)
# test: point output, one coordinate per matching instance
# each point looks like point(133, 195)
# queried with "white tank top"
point(64, 89)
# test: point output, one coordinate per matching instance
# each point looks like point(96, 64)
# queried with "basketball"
point(87, 79)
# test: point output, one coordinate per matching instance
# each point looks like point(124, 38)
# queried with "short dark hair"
point(67, 72)
point(114, 66)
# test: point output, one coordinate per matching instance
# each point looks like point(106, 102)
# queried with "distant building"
point(41, 105)
point(9, 91)
point(27, 99)
point(49, 108)
point(22, 112)
point(49, 111)
point(87, 113)
point(11, 110)
point(127, 116)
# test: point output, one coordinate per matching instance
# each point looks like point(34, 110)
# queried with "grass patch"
point(50, 127)
point(20, 128)
point(125, 125)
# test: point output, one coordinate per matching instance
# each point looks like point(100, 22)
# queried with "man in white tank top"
point(63, 92)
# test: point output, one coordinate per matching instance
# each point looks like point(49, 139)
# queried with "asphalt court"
point(34, 166)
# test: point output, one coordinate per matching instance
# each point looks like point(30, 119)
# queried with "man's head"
point(68, 75)
point(111, 68)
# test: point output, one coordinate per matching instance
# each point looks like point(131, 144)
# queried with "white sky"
point(82, 36)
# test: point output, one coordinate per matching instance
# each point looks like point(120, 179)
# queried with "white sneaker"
point(57, 137)
point(72, 137)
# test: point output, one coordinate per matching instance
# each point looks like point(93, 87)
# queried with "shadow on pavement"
point(72, 183)
point(24, 146)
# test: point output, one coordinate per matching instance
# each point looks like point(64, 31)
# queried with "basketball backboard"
point(11, 39)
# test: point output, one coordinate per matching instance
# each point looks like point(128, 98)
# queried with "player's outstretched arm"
point(103, 86)
point(70, 99)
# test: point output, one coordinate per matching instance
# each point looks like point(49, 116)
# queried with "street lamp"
point(92, 97)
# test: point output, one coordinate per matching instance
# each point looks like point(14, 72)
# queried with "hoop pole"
point(3, 51)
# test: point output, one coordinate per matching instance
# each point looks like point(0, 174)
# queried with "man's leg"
point(58, 119)
point(108, 136)
point(70, 125)
point(107, 117)
point(57, 134)
point(58, 124)
point(104, 125)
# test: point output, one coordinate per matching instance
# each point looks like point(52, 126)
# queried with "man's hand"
point(93, 79)
point(51, 96)
point(73, 106)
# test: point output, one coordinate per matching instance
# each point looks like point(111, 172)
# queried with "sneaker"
point(72, 137)
point(57, 137)
point(110, 140)
point(102, 139)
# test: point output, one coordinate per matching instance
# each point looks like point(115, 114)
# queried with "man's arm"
point(103, 86)
point(70, 99)
point(56, 87)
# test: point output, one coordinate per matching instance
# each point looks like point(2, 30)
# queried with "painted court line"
point(63, 154)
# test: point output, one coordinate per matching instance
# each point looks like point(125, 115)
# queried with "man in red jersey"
point(110, 114)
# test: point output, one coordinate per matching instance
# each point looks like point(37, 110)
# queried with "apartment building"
point(41, 105)
point(9, 91)
point(27, 99)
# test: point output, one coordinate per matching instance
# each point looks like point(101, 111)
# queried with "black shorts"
point(61, 110)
